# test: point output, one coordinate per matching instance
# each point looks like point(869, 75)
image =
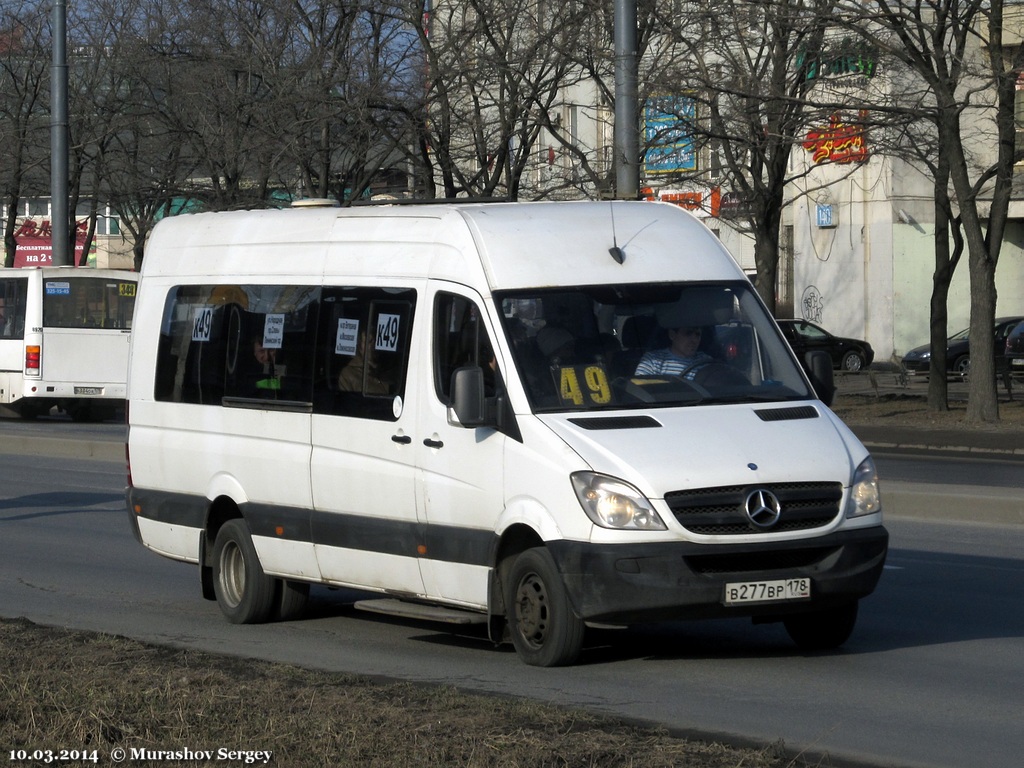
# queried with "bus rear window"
point(88, 302)
point(13, 296)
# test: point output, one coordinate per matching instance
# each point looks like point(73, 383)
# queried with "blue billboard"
point(668, 134)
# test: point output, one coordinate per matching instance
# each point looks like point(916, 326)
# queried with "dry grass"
point(79, 690)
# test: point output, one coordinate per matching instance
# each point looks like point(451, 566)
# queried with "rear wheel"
point(822, 630)
point(244, 592)
point(962, 365)
point(544, 629)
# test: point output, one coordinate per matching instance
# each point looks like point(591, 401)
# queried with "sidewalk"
point(885, 434)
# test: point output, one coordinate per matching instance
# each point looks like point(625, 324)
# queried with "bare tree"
point(24, 43)
point(145, 159)
point(743, 67)
point(346, 130)
point(497, 73)
point(957, 52)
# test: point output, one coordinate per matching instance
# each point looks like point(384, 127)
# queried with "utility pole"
point(59, 219)
point(627, 124)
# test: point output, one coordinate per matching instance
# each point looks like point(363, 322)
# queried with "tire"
point(292, 601)
point(544, 630)
point(822, 630)
point(852, 362)
point(244, 592)
point(962, 366)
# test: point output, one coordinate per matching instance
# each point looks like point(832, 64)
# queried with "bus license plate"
point(88, 390)
point(767, 591)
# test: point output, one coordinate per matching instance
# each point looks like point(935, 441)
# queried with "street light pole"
point(627, 128)
point(59, 219)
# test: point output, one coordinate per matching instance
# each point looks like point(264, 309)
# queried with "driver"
point(681, 358)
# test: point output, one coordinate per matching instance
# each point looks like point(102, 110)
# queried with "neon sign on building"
point(839, 142)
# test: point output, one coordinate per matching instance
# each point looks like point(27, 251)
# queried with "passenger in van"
point(682, 357)
point(270, 369)
point(358, 376)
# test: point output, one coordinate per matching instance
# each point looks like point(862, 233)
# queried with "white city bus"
point(64, 334)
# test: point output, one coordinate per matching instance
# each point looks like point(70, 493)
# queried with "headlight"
point(611, 503)
point(864, 496)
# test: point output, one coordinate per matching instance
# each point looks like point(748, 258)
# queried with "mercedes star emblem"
point(762, 508)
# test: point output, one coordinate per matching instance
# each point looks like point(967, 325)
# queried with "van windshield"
point(647, 345)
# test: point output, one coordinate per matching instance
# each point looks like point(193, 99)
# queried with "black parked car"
point(847, 354)
point(1015, 350)
point(958, 349)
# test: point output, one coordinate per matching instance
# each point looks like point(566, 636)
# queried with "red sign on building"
point(838, 143)
point(35, 243)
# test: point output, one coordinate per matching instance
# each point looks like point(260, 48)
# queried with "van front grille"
point(720, 511)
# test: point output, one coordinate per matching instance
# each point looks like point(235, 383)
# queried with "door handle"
point(433, 443)
point(401, 439)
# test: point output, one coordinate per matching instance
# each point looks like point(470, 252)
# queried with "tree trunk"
point(945, 264)
point(982, 396)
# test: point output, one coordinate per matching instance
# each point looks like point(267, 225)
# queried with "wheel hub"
point(532, 609)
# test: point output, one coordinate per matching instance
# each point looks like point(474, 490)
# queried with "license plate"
point(88, 390)
point(1018, 361)
point(767, 591)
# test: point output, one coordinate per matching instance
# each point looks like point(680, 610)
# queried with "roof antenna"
point(617, 253)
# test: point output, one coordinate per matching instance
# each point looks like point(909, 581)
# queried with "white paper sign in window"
point(202, 322)
point(346, 342)
point(387, 332)
point(273, 331)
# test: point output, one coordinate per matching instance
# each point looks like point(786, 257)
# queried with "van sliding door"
point(364, 524)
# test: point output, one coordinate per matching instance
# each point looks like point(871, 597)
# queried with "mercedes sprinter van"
point(538, 416)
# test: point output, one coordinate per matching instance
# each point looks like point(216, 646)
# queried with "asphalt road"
point(931, 677)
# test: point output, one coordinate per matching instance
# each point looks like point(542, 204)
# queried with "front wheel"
point(822, 630)
point(545, 632)
point(852, 362)
point(244, 592)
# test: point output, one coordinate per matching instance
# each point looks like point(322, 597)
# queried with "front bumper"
point(624, 584)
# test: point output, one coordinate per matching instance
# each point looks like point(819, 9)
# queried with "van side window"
point(237, 344)
point(13, 297)
point(460, 338)
point(363, 344)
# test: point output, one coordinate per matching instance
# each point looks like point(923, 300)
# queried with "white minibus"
point(64, 334)
point(535, 416)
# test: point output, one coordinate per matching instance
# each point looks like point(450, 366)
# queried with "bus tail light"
point(32, 357)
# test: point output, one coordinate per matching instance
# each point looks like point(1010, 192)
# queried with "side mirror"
point(467, 397)
point(819, 368)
